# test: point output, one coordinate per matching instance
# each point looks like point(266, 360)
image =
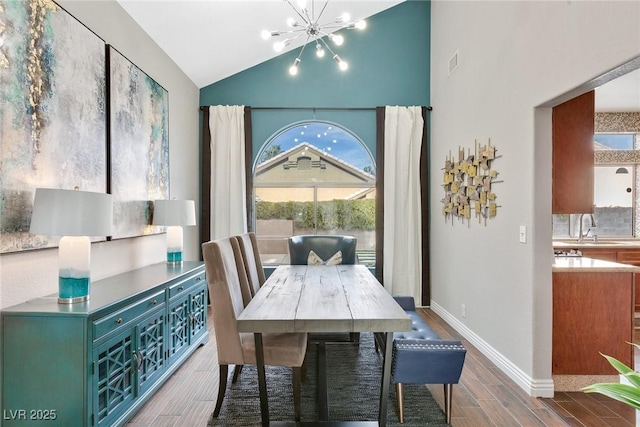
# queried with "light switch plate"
point(523, 234)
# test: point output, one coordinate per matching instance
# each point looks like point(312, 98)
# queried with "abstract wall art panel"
point(139, 146)
point(52, 113)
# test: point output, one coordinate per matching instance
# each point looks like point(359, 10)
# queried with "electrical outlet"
point(464, 311)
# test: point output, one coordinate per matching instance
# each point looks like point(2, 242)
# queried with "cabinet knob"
point(154, 302)
point(119, 320)
point(181, 288)
point(198, 279)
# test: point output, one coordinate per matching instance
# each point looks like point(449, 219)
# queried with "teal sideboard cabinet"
point(95, 363)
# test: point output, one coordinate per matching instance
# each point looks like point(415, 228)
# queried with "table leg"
point(386, 379)
point(262, 380)
point(323, 390)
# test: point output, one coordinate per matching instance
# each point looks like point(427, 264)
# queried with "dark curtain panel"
point(248, 166)
point(205, 185)
point(424, 184)
point(379, 192)
point(424, 190)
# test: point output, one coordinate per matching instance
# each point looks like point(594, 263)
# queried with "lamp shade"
point(174, 212)
point(71, 213)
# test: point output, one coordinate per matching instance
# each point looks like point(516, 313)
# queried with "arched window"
point(314, 177)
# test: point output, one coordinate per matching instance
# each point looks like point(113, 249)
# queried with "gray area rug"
point(354, 374)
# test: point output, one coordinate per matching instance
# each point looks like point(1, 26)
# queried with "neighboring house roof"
point(303, 149)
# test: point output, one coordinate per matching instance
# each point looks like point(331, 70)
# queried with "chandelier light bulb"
point(345, 17)
point(341, 64)
point(265, 34)
point(278, 46)
point(319, 51)
point(302, 4)
point(337, 39)
point(361, 25)
point(293, 70)
point(291, 22)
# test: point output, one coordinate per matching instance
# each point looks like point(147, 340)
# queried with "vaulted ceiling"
point(214, 39)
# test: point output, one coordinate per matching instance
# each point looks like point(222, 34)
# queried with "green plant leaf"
point(624, 393)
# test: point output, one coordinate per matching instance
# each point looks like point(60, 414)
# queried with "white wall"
point(513, 57)
point(31, 274)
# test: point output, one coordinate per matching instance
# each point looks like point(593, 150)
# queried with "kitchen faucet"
point(593, 225)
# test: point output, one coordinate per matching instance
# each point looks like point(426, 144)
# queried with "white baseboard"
point(533, 387)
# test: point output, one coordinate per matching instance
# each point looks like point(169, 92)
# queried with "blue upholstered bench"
point(422, 357)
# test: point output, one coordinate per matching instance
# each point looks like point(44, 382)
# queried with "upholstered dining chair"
point(255, 274)
point(336, 249)
point(226, 277)
point(251, 259)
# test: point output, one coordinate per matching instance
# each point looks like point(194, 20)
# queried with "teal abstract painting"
point(52, 113)
point(139, 146)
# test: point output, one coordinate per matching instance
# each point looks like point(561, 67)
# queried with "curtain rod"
point(202, 107)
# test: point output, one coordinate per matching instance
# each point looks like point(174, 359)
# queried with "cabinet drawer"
point(629, 257)
point(110, 323)
point(185, 285)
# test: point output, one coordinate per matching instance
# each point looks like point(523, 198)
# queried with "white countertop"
point(602, 243)
point(562, 264)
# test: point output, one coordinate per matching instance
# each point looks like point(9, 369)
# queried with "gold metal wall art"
point(468, 185)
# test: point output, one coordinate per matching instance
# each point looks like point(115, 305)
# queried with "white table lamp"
point(175, 214)
point(75, 215)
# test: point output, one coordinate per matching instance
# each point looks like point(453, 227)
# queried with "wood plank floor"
point(484, 397)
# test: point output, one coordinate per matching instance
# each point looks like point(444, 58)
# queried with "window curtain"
point(403, 135)
point(228, 176)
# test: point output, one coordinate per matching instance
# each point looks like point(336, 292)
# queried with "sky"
point(616, 141)
point(327, 137)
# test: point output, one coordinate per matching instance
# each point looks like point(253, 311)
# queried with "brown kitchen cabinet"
point(623, 256)
point(591, 314)
point(573, 129)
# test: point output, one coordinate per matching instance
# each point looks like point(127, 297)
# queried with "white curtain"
point(228, 179)
point(402, 266)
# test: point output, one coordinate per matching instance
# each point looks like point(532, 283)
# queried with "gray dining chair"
point(324, 246)
point(251, 259)
point(226, 278)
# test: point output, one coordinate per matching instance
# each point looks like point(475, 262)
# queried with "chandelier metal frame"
point(315, 32)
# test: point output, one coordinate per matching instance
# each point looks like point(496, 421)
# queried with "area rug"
point(354, 375)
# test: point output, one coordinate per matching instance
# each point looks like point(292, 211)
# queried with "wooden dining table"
point(326, 299)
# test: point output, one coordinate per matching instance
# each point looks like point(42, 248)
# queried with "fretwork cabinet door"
point(150, 350)
point(113, 377)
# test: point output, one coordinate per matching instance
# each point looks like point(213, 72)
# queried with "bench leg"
point(400, 399)
point(448, 395)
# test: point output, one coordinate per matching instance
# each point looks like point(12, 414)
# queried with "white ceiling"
point(621, 94)
point(214, 39)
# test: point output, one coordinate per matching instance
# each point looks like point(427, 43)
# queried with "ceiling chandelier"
point(307, 23)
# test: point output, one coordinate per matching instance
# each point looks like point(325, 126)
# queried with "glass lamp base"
point(73, 290)
point(174, 258)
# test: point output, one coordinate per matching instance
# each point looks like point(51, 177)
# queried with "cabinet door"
point(198, 312)
point(113, 379)
point(179, 321)
point(603, 254)
point(573, 148)
point(150, 350)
